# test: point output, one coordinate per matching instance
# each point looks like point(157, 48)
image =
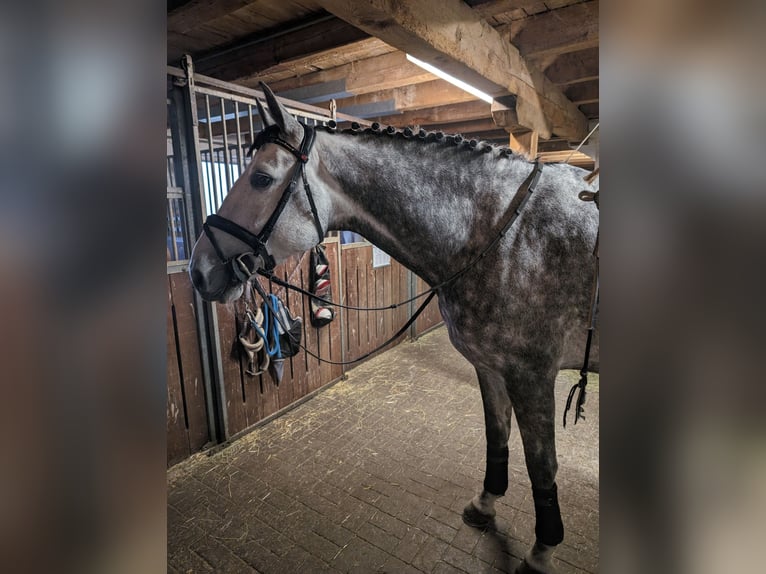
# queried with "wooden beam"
point(590, 111)
point(556, 32)
point(494, 7)
point(454, 38)
point(327, 59)
point(524, 143)
point(357, 78)
point(415, 97)
point(583, 92)
point(574, 67)
point(442, 115)
point(265, 49)
point(481, 125)
point(199, 12)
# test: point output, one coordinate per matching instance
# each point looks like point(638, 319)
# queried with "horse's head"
point(278, 207)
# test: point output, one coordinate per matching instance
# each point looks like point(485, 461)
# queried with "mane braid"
point(420, 135)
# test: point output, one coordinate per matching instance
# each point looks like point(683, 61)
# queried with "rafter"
point(449, 34)
point(583, 92)
point(354, 79)
point(196, 12)
point(442, 115)
point(556, 32)
point(260, 51)
point(415, 97)
point(574, 67)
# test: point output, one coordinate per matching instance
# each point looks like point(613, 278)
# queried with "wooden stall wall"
point(250, 399)
point(187, 420)
point(365, 286)
point(431, 316)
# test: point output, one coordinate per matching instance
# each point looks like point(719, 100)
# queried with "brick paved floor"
point(372, 475)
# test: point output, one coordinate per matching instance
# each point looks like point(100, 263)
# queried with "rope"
point(582, 142)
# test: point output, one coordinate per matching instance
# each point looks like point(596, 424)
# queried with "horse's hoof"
point(473, 517)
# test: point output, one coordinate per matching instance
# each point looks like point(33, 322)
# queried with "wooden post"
point(524, 143)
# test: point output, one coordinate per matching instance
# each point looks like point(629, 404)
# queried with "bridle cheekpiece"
point(246, 264)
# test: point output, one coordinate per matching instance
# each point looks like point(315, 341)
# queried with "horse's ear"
point(265, 115)
point(279, 114)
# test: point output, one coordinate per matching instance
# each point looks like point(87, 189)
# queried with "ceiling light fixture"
point(451, 79)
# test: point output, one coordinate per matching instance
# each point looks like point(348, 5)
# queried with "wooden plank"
point(460, 42)
point(380, 316)
point(313, 366)
point(431, 315)
point(196, 12)
point(232, 376)
point(176, 437)
point(333, 256)
point(556, 32)
point(364, 76)
point(583, 92)
point(264, 49)
point(363, 261)
point(250, 388)
point(294, 302)
point(332, 249)
point(440, 115)
point(269, 390)
point(590, 110)
point(524, 144)
point(351, 298)
point(574, 67)
point(414, 97)
point(346, 54)
point(285, 391)
point(388, 299)
point(191, 361)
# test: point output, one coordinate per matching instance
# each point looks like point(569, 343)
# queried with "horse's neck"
point(414, 200)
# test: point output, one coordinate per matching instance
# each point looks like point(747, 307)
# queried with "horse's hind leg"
point(534, 406)
point(480, 511)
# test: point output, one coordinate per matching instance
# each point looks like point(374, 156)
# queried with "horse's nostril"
point(198, 279)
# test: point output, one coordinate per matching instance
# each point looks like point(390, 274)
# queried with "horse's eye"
point(261, 180)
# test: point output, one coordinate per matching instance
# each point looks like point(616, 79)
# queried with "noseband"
point(246, 264)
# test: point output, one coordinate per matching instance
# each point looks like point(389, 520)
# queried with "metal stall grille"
point(228, 123)
point(178, 236)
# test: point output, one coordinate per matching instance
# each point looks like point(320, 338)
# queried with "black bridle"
point(246, 264)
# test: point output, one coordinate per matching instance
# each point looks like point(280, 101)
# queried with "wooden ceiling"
point(538, 59)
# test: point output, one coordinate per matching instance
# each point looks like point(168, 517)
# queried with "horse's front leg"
point(534, 406)
point(480, 511)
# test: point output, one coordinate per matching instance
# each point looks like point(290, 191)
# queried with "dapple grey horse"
point(518, 315)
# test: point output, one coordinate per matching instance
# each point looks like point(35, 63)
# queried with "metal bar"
point(210, 345)
point(213, 206)
point(226, 156)
point(209, 180)
point(250, 117)
point(181, 266)
point(171, 183)
point(412, 285)
point(172, 224)
point(239, 140)
point(292, 106)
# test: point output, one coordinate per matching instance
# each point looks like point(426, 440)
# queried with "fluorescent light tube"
point(451, 79)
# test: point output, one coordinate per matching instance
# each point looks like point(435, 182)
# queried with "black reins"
point(583, 382)
point(258, 242)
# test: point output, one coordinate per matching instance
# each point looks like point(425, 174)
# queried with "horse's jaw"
point(231, 293)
